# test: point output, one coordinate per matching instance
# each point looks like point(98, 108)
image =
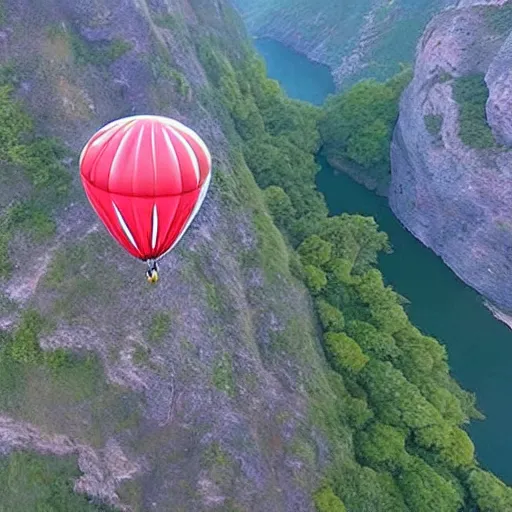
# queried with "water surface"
point(442, 306)
point(310, 83)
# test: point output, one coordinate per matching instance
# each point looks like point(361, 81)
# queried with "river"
point(479, 346)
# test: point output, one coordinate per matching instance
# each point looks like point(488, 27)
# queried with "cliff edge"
point(451, 153)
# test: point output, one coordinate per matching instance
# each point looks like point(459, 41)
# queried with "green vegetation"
point(141, 355)
point(41, 162)
point(499, 17)
point(5, 236)
point(214, 455)
point(163, 69)
point(54, 389)
point(160, 325)
point(331, 318)
point(489, 492)
point(32, 482)
point(344, 352)
point(57, 389)
point(98, 53)
point(170, 22)
point(358, 124)
point(219, 465)
point(385, 401)
point(212, 298)
point(433, 124)
point(389, 388)
point(315, 279)
point(24, 347)
point(471, 94)
point(223, 378)
point(327, 501)
point(78, 277)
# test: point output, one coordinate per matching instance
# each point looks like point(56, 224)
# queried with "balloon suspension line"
point(152, 264)
point(152, 272)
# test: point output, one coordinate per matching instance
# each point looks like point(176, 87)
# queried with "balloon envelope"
point(146, 177)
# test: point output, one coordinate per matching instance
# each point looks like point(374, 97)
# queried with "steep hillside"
point(368, 38)
point(451, 153)
point(270, 370)
point(175, 397)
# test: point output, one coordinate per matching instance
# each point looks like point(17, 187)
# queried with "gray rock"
point(499, 105)
point(456, 199)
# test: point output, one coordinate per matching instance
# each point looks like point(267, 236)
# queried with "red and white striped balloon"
point(146, 177)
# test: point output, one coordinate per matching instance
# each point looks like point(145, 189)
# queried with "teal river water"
point(442, 306)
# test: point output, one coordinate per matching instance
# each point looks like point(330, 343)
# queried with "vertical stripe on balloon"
point(154, 231)
point(124, 226)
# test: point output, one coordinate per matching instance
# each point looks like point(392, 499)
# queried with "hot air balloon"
point(146, 177)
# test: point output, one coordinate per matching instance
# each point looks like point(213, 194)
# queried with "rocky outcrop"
point(499, 106)
point(103, 470)
point(458, 199)
point(345, 36)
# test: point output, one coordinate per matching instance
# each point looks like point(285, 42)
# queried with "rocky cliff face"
point(450, 189)
point(499, 106)
point(368, 38)
point(193, 410)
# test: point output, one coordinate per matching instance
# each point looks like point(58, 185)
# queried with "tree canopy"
point(357, 125)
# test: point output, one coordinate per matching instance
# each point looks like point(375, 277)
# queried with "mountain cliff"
point(169, 398)
point(451, 153)
point(357, 40)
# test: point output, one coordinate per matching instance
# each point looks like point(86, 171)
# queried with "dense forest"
point(396, 418)
point(356, 127)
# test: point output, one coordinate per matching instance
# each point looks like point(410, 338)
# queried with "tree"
point(446, 403)
point(386, 312)
point(366, 490)
point(354, 238)
point(372, 341)
point(425, 491)
point(397, 401)
point(382, 447)
point(371, 144)
point(339, 270)
point(280, 207)
point(265, 161)
point(359, 122)
point(345, 353)
point(315, 278)
point(326, 501)
point(452, 444)
point(332, 318)
point(357, 412)
point(489, 493)
point(421, 355)
point(315, 251)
